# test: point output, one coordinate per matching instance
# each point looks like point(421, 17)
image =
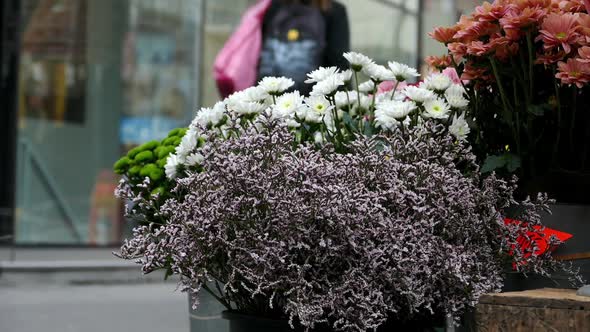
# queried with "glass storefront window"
point(96, 78)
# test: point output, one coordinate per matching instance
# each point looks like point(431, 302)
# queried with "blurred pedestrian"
point(298, 36)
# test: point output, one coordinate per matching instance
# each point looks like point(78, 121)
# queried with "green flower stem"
point(559, 115)
point(529, 40)
point(218, 298)
point(506, 105)
point(358, 99)
point(358, 91)
point(395, 88)
point(372, 108)
point(573, 119)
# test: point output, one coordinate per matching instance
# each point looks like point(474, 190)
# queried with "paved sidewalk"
point(96, 308)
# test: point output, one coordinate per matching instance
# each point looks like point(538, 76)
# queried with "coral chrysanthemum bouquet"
point(526, 67)
point(344, 209)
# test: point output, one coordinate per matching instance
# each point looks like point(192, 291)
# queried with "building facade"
point(85, 80)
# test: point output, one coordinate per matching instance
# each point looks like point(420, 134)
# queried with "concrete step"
point(60, 267)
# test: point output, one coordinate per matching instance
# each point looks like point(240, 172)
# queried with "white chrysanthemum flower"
point(275, 85)
point(357, 60)
point(346, 75)
point(395, 109)
point(187, 144)
point(327, 87)
point(366, 101)
point(171, 167)
point(367, 86)
point(402, 72)
point(378, 72)
point(455, 90)
point(209, 116)
point(321, 74)
point(318, 138)
point(248, 107)
point(436, 109)
point(255, 93)
point(419, 95)
point(194, 159)
point(288, 104)
point(385, 122)
point(438, 82)
point(318, 106)
point(456, 101)
point(459, 128)
point(344, 99)
point(247, 101)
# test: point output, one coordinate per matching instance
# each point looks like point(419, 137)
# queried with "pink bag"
point(236, 64)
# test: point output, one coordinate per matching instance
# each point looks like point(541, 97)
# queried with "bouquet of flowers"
point(526, 67)
point(344, 209)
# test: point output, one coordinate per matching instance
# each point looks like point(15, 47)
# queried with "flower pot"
point(573, 219)
point(246, 323)
point(207, 317)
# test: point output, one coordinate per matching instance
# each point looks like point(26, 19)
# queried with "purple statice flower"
point(397, 226)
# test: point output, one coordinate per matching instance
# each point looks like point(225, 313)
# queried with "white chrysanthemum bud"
point(417, 94)
point(321, 74)
point(459, 127)
point(357, 60)
point(438, 82)
point(402, 72)
point(275, 85)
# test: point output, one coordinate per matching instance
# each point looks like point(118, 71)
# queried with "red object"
point(587, 4)
point(540, 235)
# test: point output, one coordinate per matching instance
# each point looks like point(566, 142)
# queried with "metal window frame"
point(9, 64)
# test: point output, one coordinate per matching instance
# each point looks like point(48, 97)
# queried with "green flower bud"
point(173, 132)
point(147, 169)
point(169, 140)
point(156, 174)
point(133, 171)
point(121, 165)
point(149, 145)
point(159, 191)
point(144, 156)
point(161, 162)
point(133, 152)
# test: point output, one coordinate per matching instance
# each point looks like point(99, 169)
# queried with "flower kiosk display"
point(367, 208)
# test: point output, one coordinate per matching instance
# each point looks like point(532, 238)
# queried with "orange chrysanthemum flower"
point(550, 58)
point(478, 48)
point(560, 30)
point(491, 12)
point(521, 19)
point(572, 6)
point(584, 22)
point(471, 73)
point(476, 30)
point(444, 35)
point(458, 50)
point(584, 53)
point(508, 51)
point(573, 72)
point(439, 62)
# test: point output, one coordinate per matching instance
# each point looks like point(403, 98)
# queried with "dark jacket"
point(337, 33)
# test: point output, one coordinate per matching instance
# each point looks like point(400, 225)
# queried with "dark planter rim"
point(238, 316)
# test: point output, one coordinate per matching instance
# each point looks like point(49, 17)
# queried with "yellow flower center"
point(561, 35)
point(574, 73)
